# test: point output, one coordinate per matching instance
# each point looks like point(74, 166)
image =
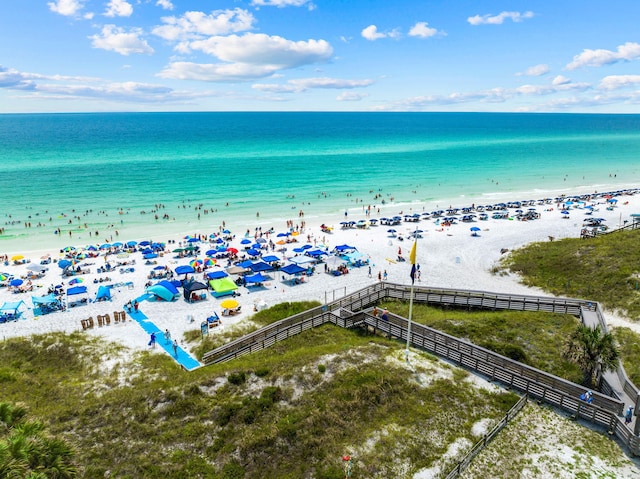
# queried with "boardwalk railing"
point(482, 443)
point(354, 311)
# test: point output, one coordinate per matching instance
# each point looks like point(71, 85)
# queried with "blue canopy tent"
point(293, 269)
point(260, 266)
point(256, 278)
point(103, 294)
point(79, 294)
point(217, 274)
point(344, 248)
point(245, 264)
point(270, 258)
point(10, 311)
point(185, 269)
point(222, 287)
point(45, 304)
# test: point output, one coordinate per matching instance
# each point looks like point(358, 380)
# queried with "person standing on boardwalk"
point(167, 336)
point(135, 305)
point(175, 348)
point(152, 340)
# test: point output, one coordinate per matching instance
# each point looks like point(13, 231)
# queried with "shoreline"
point(449, 256)
point(201, 224)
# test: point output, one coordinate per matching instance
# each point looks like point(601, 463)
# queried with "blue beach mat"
point(183, 358)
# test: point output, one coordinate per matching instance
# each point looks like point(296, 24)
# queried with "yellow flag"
point(412, 254)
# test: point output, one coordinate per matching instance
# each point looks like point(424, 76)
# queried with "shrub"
point(322, 368)
point(237, 378)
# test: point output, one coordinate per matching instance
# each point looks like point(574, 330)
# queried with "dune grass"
point(605, 269)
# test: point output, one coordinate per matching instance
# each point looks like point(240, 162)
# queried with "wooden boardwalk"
point(354, 310)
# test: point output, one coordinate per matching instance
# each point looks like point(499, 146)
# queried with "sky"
point(320, 55)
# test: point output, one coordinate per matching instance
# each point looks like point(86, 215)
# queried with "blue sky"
point(320, 55)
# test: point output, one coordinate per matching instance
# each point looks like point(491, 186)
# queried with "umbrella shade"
point(236, 270)
point(185, 269)
point(229, 304)
point(253, 252)
point(256, 278)
point(105, 246)
point(474, 228)
point(3, 277)
point(293, 269)
point(280, 235)
point(245, 241)
point(17, 257)
point(76, 281)
point(36, 267)
point(211, 252)
point(193, 240)
point(232, 250)
point(64, 263)
point(131, 244)
point(209, 262)
point(178, 250)
point(16, 282)
point(261, 240)
point(194, 263)
point(144, 243)
point(158, 268)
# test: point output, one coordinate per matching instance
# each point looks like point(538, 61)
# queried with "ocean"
point(89, 178)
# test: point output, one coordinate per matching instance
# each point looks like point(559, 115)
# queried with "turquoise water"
point(109, 171)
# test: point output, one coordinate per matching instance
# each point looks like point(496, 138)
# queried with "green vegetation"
point(628, 343)
point(533, 338)
point(605, 269)
point(590, 348)
point(26, 451)
point(272, 414)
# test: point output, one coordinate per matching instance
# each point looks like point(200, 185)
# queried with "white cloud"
point(265, 50)
point(351, 96)
point(118, 8)
point(597, 58)
point(275, 88)
point(535, 71)
point(615, 82)
point(371, 33)
point(248, 57)
point(196, 25)
point(500, 18)
point(336, 83)
point(300, 85)
point(67, 8)
point(283, 3)
point(423, 30)
point(560, 80)
point(165, 4)
point(115, 39)
point(216, 72)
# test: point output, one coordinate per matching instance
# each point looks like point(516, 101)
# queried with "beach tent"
point(77, 292)
point(334, 261)
point(302, 259)
point(185, 269)
point(344, 248)
point(217, 274)
point(293, 269)
point(11, 310)
point(270, 259)
point(103, 294)
point(45, 304)
point(236, 270)
point(164, 290)
point(222, 286)
point(193, 286)
point(260, 266)
point(246, 264)
point(256, 278)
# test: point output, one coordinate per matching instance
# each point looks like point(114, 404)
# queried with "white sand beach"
point(449, 256)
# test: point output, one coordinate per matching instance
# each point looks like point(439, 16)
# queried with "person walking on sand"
point(152, 340)
point(175, 348)
point(135, 305)
point(384, 275)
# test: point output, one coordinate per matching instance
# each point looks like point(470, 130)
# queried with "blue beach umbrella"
point(16, 282)
point(131, 244)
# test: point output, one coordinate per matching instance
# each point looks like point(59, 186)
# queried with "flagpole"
point(412, 259)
